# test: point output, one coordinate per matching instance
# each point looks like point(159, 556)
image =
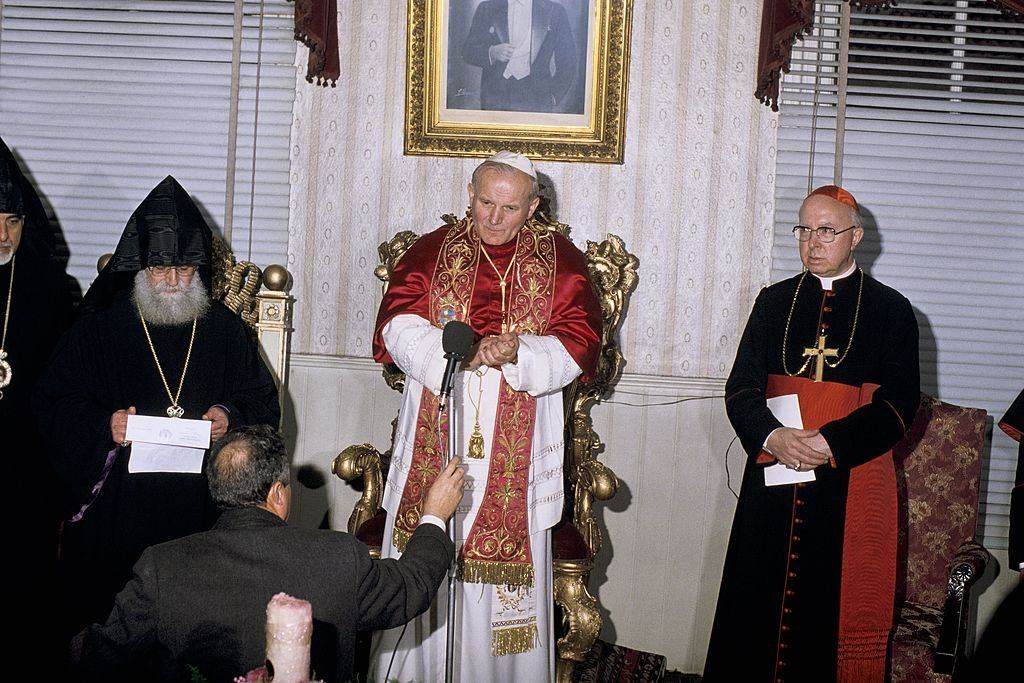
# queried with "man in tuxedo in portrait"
point(527, 53)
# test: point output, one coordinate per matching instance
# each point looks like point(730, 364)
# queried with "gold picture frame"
point(457, 102)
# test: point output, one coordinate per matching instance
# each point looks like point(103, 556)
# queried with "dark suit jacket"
point(552, 59)
point(201, 600)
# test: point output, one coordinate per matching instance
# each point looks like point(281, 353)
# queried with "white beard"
point(6, 252)
point(162, 304)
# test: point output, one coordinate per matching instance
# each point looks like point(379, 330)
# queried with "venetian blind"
point(934, 152)
point(102, 99)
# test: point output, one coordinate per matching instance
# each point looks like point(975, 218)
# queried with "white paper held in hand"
point(163, 444)
point(786, 409)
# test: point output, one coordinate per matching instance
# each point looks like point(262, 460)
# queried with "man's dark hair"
point(244, 464)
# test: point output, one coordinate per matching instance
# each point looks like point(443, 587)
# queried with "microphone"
point(456, 338)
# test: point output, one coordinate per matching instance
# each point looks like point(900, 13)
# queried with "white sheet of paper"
point(154, 457)
point(169, 431)
point(786, 409)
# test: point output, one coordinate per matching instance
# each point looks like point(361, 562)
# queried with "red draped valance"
point(783, 21)
point(316, 27)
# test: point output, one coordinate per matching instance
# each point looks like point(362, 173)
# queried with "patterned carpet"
point(608, 663)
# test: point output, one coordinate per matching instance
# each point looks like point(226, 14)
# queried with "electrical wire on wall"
point(677, 401)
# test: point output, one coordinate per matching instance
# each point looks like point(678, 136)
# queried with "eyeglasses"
point(14, 222)
point(181, 271)
point(825, 234)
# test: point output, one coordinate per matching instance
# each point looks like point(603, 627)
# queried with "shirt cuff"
point(764, 446)
point(432, 519)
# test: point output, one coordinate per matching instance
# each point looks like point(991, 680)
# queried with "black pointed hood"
point(167, 229)
point(11, 200)
point(18, 196)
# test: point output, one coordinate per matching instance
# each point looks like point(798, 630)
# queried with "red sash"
point(869, 536)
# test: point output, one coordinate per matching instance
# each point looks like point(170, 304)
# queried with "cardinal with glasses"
point(825, 382)
point(150, 342)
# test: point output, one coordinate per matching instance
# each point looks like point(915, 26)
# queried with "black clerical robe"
point(40, 311)
point(798, 554)
point(104, 364)
point(998, 650)
point(1013, 424)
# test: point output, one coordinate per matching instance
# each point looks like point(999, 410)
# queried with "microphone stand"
point(450, 452)
point(456, 340)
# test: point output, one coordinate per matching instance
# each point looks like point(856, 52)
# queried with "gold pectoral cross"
point(504, 320)
point(821, 352)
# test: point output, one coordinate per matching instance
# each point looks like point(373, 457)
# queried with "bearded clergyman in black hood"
point(151, 342)
point(35, 309)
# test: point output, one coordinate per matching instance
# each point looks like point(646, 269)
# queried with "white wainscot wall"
point(665, 532)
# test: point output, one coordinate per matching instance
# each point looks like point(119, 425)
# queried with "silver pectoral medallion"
point(175, 411)
point(5, 370)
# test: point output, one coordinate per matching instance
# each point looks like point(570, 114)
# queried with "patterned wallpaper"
point(693, 200)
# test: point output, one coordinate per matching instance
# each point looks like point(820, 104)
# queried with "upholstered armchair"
point(577, 538)
point(938, 467)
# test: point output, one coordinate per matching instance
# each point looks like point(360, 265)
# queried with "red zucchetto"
point(837, 193)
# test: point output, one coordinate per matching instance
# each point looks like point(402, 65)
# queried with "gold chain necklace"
point(5, 367)
point(476, 439)
point(502, 280)
point(173, 410)
point(789, 318)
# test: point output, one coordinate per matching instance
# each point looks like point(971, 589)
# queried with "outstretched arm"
point(391, 592)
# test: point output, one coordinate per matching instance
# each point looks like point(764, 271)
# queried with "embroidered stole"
point(497, 549)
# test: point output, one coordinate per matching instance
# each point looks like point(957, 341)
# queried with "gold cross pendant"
point(504, 320)
point(820, 352)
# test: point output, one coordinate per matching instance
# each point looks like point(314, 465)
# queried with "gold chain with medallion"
point(173, 410)
point(5, 367)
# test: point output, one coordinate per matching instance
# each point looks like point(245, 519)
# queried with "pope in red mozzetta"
point(807, 588)
point(526, 293)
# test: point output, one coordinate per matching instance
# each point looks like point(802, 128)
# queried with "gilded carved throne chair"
point(577, 538)
point(938, 470)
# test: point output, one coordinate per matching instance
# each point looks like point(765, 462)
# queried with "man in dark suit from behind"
point(198, 604)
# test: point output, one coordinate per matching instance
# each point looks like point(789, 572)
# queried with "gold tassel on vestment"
point(399, 539)
point(513, 641)
point(495, 573)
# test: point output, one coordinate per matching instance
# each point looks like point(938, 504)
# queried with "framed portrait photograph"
point(546, 78)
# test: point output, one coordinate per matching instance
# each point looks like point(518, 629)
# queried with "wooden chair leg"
point(579, 614)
